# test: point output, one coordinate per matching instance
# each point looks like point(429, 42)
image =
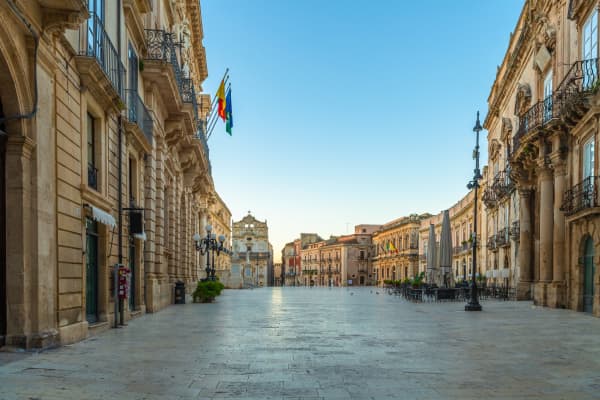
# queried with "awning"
point(141, 236)
point(102, 216)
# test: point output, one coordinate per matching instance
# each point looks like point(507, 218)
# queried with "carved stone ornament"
point(523, 100)
point(494, 148)
point(506, 128)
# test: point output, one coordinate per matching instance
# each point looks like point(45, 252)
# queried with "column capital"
point(545, 173)
point(559, 166)
point(524, 191)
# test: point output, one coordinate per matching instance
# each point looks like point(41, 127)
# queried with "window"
point(588, 159)
point(91, 152)
point(589, 50)
point(548, 96)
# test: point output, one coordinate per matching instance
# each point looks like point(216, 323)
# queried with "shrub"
point(206, 291)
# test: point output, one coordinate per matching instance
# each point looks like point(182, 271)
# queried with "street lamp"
point(203, 245)
point(473, 304)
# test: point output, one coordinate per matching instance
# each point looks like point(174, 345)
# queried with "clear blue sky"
point(350, 112)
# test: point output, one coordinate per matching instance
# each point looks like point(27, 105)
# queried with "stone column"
point(556, 294)
point(546, 234)
point(525, 242)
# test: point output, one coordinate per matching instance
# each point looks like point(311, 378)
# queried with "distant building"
point(220, 219)
point(252, 252)
point(396, 249)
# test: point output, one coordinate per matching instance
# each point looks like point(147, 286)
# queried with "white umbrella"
point(431, 261)
point(445, 248)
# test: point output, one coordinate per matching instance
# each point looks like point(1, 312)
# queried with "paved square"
point(320, 343)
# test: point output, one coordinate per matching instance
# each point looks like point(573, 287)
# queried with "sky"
point(350, 112)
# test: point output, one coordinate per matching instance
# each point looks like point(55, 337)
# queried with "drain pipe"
point(121, 304)
point(36, 40)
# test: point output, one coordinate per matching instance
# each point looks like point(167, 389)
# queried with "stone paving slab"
point(320, 343)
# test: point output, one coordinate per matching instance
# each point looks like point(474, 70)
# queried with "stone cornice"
point(197, 34)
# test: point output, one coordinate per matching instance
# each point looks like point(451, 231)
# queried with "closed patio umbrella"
point(431, 260)
point(445, 248)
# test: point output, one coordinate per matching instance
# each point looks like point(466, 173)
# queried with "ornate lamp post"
point(203, 245)
point(473, 304)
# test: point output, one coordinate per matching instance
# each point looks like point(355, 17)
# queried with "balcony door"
point(133, 83)
point(548, 96)
point(588, 197)
point(589, 50)
point(95, 30)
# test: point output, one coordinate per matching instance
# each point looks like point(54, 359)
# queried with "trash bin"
point(179, 292)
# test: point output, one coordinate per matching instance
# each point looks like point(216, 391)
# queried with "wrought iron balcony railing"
point(581, 196)
point(491, 243)
point(489, 197)
point(98, 45)
point(515, 231)
point(502, 184)
point(92, 176)
point(502, 237)
point(581, 79)
point(161, 46)
point(540, 114)
point(138, 113)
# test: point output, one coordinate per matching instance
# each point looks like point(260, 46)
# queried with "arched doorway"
point(3, 304)
point(589, 270)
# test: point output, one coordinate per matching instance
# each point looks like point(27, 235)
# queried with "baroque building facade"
point(252, 253)
point(396, 249)
point(104, 161)
point(543, 104)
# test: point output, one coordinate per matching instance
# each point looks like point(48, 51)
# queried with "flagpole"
point(214, 103)
point(215, 118)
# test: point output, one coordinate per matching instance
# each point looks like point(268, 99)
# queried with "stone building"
point(542, 116)
point(252, 252)
point(396, 246)
point(461, 229)
point(337, 261)
point(278, 277)
point(220, 220)
point(104, 161)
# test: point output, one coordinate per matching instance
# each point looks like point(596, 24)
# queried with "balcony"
point(502, 238)
point(545, 114)
point(491, 243)
point(162, 67)
point(579, 83)
point(201, 137)
point(515, 231)
point(489, 197)
point(566, 106)
point(139, 118)
point(580, 197)
point(102, 72)
point(502, 184)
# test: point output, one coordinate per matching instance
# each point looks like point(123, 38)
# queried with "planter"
point(207, 291)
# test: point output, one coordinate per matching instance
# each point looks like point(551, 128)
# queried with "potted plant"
point(417, 281)
point(207, 291)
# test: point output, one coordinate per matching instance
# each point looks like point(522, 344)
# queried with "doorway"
point(91, 271)
point(589, 270)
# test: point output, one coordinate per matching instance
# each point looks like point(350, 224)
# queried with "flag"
point(392, 247)
point(222, 100)
point(228, 112)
